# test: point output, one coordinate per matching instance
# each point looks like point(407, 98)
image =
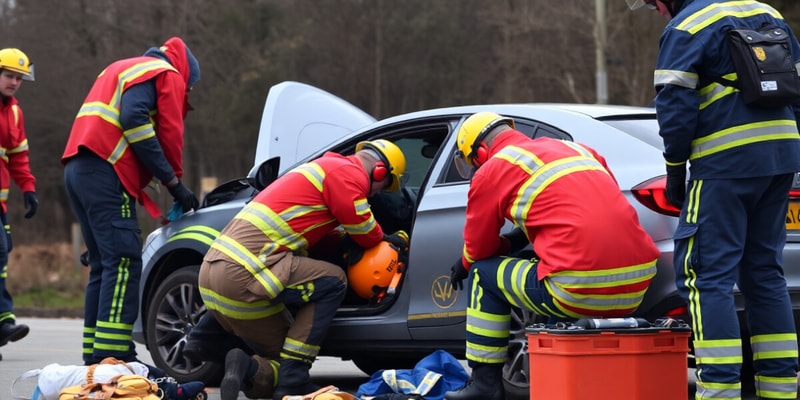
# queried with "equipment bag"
point(129, 387)
point(767, 75)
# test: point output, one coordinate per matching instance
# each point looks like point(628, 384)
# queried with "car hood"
point(299, 120)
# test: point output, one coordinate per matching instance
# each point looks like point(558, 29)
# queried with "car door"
point(299, 120)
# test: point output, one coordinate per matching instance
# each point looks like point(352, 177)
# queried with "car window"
point(529, 128)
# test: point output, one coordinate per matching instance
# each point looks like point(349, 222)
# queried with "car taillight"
point(794, 194)
point(651, 194)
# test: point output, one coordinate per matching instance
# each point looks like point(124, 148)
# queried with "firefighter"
point(594, 260)
point(259, 283)
point(14, 68)
point(128, 131)
point(732, 223)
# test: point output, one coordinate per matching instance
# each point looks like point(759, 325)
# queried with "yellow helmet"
point(16, 61)
point(470, 134)
point(392, 161)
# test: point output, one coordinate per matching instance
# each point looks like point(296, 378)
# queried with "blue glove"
point(176, 212)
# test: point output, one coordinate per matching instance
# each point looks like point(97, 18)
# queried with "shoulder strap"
point(107, 361)
point(726, 82)
point(26, 375)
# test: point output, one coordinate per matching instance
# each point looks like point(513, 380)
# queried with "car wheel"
point(516, 371)
point(174, 310)
point(369, 365)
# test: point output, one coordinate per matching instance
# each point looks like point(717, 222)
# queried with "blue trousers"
point(107, 215)
point(495, 285)
point(6, 302)
point(732, 232)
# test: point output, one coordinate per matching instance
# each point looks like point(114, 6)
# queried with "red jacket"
point(574, 214)
point(14, 151)
point(97, 127)
point(298, 210)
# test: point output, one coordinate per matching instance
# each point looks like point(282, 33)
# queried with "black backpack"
point(765, 67)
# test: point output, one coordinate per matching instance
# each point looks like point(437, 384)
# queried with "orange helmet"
point(374, 274)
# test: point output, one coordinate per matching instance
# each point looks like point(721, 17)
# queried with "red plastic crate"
point(624, 364)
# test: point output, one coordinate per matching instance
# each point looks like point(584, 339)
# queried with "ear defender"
point(379, 171)
point(480, 154)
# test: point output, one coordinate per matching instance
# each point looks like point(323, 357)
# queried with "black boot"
point(239, 371)
point(486, 383)
point(11, 332)
point(294, 379)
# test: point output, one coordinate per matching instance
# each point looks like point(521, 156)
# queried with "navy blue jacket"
point(709, 124)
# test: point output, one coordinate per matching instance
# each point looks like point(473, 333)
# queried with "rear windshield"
point(645, 130)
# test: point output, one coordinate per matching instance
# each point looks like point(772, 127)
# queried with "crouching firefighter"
point(590, 262)
point(259, 283)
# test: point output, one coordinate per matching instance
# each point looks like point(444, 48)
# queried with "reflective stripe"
point(743, 135)
point(313, 173)
point(781, 345)
point(716, 91)
point(272, 226)
point(4, 195)
point(486, 354)
point(101, 110)
point(118, 152)
point(663, 77)
point(238, 309)
point(488, 325)
point(20, 148)
point(714, 12)
point(715, 390)
point(543, 177)
point(776, 387)
point(254, 265)
point(200, 233)
point(139, 133)
point(135, 72)
point(120, 288)
point(513, 283)
point(604, 278)
point(718, 351)
point(299, 349)
point(595, 302)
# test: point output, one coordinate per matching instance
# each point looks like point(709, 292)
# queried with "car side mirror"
point(264, 174)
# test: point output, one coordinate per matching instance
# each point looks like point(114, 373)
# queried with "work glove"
point(676, 185)
point(351, 251)
point(31, 204)
point(399, 239)
point(184, 196)
point(516, 239)
point(457, 274)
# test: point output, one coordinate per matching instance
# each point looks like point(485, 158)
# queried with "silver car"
point(425, 313)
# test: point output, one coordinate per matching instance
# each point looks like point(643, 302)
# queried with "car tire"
point(174, 310)
point(516, 370)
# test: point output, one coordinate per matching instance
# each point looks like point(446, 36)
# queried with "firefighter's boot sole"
point(237, 362)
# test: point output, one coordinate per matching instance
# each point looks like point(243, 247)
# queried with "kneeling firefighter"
point(259, 283)
point(589, 263)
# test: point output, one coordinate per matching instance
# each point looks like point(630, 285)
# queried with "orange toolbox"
point(577, 363)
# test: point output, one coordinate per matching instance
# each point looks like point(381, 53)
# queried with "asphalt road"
point(59, 340)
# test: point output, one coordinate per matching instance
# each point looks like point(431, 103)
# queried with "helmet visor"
point(464, 170)
point(636, 4)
